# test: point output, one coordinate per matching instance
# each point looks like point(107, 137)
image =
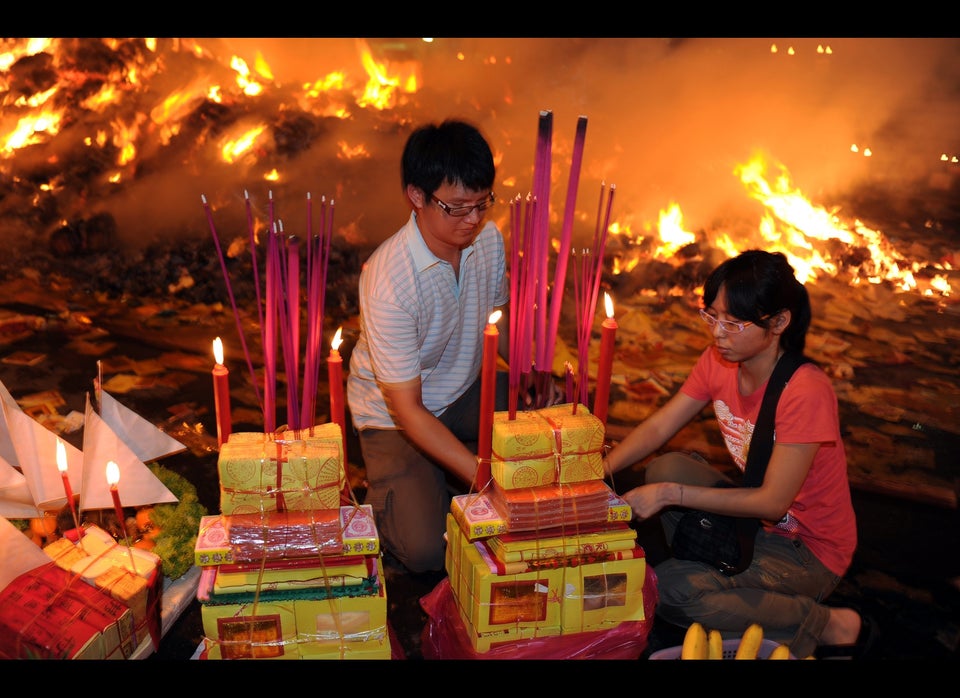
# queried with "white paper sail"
point(36, 449)
point(138, 486)
point(7, 451)
point(20, 554)
point(16, 502)
point(145, 439)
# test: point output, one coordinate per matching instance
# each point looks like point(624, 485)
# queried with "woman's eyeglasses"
point(728, 326)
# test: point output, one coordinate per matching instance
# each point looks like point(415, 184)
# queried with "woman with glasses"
point(756, 310)
point(426, 294)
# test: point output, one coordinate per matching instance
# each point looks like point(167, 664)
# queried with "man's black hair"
point(453, 151)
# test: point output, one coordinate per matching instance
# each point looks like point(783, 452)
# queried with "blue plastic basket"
point(729, 650)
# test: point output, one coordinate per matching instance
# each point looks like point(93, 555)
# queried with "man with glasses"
point(755, 310)
point(426, 294)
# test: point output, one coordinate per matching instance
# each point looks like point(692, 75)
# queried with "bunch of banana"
point(699, 643)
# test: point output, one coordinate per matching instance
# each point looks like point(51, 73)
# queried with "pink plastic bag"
point(445, 637)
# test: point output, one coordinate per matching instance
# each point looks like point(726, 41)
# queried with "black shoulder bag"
point(726, 542)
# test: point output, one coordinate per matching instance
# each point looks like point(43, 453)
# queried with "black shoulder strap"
point(761, 443)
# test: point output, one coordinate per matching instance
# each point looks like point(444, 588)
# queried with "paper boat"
point(20, 554)
point(145, 440)
point(31, 483)
point(16, 500)
point(7, 452)
point(36, 455)
point(138, 486)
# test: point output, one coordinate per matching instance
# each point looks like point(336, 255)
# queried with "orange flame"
point(382, 88)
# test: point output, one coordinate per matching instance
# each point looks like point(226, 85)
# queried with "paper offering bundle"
point(295, 471)
point(553, 445)
point(275, 534)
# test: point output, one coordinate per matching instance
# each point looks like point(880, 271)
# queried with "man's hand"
point(543, 391)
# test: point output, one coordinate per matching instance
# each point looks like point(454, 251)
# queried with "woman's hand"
point(648, 500)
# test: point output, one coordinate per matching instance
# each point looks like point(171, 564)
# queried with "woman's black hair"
point(759, 285)
point(453, 151)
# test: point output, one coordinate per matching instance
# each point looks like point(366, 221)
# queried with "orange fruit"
point(145, 524)
point(44, 527)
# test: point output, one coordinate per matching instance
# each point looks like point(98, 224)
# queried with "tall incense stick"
point(226, 281)
point(563, 254)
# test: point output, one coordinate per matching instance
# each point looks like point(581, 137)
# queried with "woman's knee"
point(668, 467)
point(676, 466)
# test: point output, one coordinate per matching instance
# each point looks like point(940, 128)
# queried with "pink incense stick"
point(516, 240)
point(542, 233)
point(563, 254)
point(270, 337)
point(308, 402)
point(522, 342)
point(226, 280)
point(308, 384)
point(253, 263)
point(292, 360)
point(289, 351)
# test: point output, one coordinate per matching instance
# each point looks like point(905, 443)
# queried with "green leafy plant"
point(179, 523)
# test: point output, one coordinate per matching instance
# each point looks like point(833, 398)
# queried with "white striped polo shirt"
point(417, 320)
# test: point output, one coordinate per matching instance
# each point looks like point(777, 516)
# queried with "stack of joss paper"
point(288, 571)
point(545, 550)
point(90, 599)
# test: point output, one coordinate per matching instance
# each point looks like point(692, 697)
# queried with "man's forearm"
point(432, 437)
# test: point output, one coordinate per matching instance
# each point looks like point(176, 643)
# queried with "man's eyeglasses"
point(461, 211)
point(728, 326)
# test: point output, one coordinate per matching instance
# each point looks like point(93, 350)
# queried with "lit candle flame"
point(337, 339)
point(61, 457)
point(113, 473)
point(608, 304)
point(495, 317)
point(218, 350)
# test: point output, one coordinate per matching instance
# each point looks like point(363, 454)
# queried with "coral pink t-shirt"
point(822, 513)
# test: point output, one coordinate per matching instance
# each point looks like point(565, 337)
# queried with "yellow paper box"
point(344, 627)
point(484, 642)
point(547, 446)
point(359, 530)
point(263, 630)
point(493, 602)
point(213, 544)
point(312, 474)
point(513, 548)
point(477, 516)
point(602, 595)
point(330, 432)
point(319, 576)
point(618, 509)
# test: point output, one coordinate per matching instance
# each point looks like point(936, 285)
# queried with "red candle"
point(488, 392)
point(67, 489)
point(335, 377)
point(221, 394)
point(601, 397)
point(113, 477)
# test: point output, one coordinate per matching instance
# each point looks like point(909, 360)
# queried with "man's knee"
point(421, 557)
